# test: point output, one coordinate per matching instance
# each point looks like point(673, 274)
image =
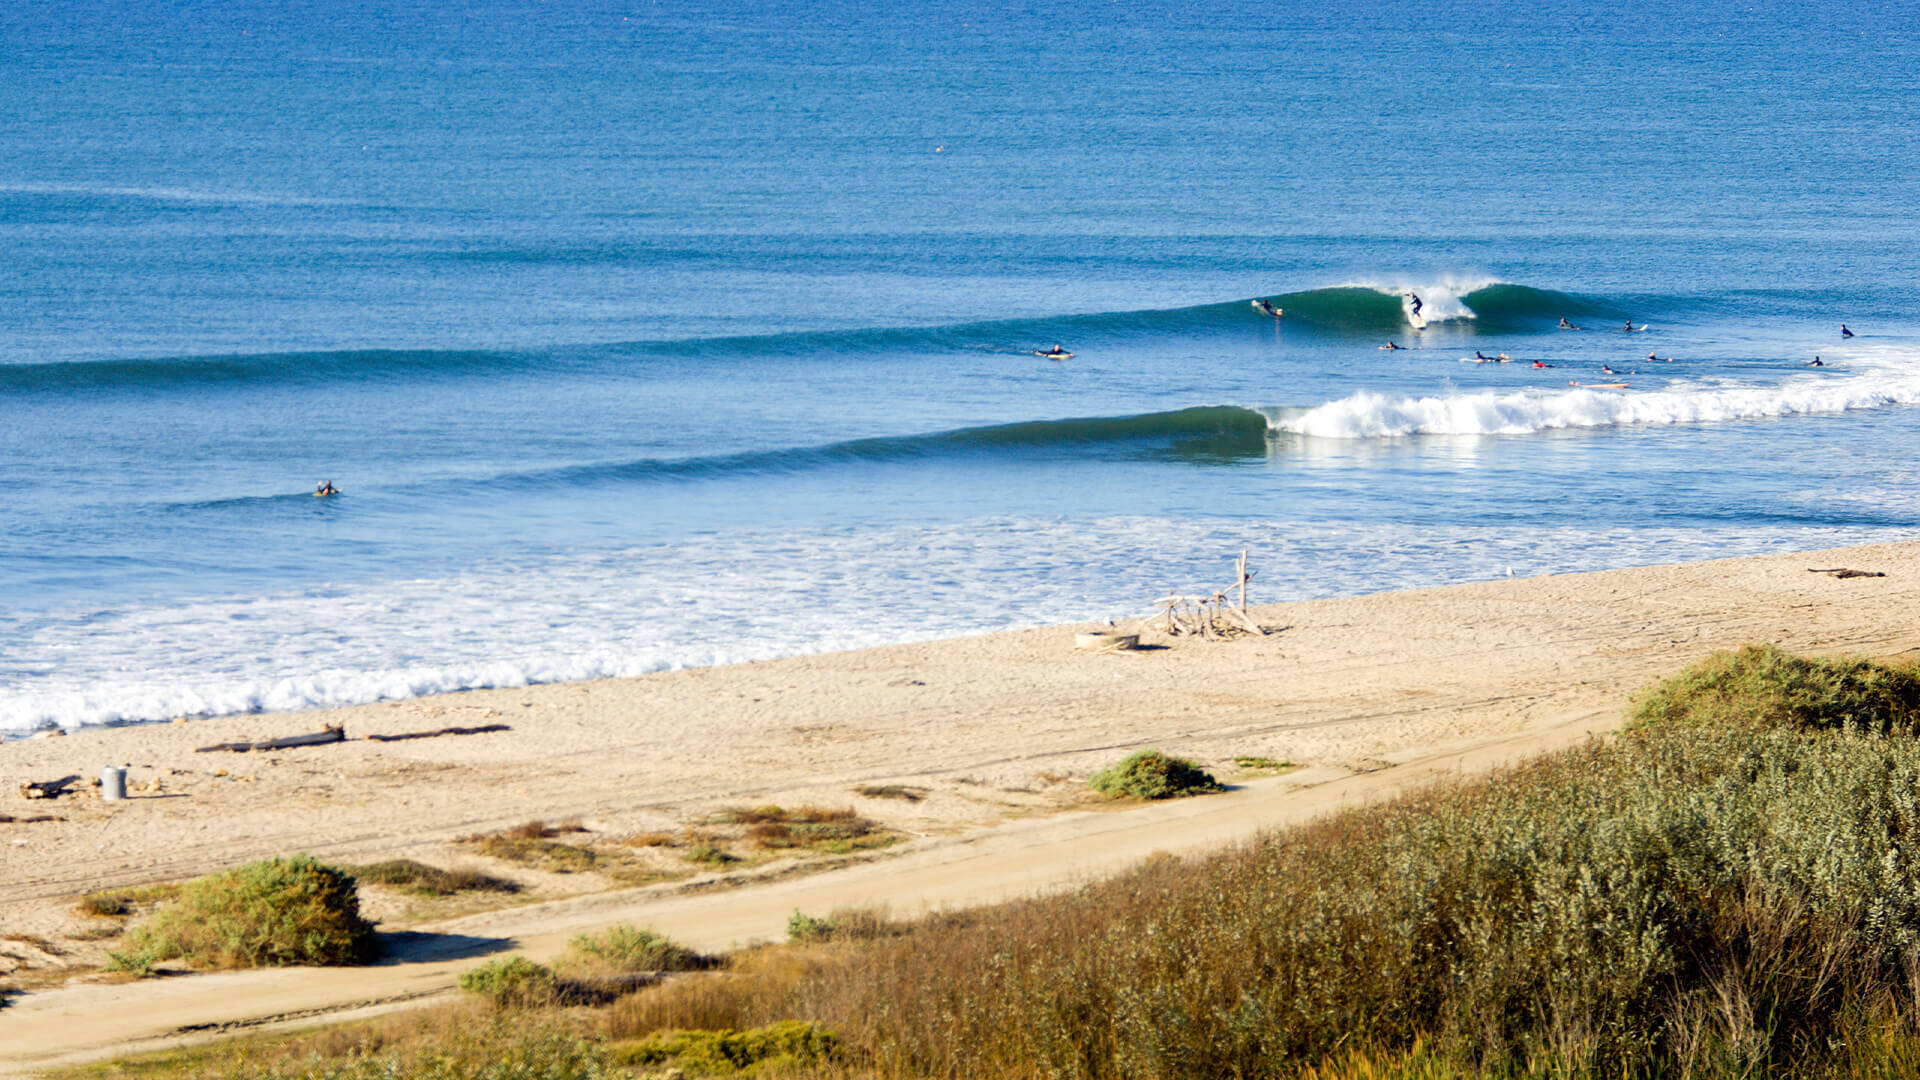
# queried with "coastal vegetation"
point(264, 914)
point(419, 879)
point(1730, 888)
point(1150, 774)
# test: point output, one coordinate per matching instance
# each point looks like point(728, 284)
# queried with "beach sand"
point(999, 732)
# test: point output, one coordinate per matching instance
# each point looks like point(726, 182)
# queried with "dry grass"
point(419, 879)
point(1714, 898)
point(807, 828)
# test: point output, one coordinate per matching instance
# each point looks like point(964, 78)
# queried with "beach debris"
point(9, 819)
point(481, 730)
point(1846, 572)
point(1105, 639)
point(328, 734)
point(1202, 614)
point(48, 789)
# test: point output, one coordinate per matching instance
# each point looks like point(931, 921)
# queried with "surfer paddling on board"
point(1265, 308)
point(1390, 346)
point(1844, 332)
point(1565, 325)
point(1056, 353)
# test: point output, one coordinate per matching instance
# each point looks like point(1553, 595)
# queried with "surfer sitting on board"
point(325, 488)
point(1391, 345)
point(1844, 332)
point(1815, 362)
point(1565, 325)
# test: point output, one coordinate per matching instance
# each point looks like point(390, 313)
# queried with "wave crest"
point(1370, 415)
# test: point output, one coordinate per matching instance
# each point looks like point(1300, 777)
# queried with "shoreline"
point(1368, 696)
point(1372, 696)
point(1342, 682)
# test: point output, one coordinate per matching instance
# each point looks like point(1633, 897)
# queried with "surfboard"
point(1416, 320)
point(1054, 355)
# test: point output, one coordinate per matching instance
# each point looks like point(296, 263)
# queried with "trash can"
point(113, 783)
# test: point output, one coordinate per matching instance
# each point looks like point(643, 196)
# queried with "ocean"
point(645, 335)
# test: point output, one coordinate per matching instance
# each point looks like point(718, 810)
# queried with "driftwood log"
point(47, 789)
point(482, 730)
point(1846, 572)
point(319, 738)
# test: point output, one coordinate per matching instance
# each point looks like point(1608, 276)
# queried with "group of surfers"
point(1059, 352)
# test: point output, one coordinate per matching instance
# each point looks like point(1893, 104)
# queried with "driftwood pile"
point(1212, 615)
point(48, 789)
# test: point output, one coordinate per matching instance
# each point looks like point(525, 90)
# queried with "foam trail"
point(1369, 415)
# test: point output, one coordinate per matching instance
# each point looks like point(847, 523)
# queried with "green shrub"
point(804, 927)
point(512, 982)
point(780, 1046)
point(1763, 686)
point(623, 949)
point(265, 914)
point(1150, 774)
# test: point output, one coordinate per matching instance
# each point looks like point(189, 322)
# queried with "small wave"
point(1370, 415)
point(1221, 431)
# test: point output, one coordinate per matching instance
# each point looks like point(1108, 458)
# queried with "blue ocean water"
point(642, 335)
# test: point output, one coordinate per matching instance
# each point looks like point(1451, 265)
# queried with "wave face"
point(1223, 431)
point(1375, 308)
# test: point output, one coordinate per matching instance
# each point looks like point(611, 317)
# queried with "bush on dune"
point(626, 949)
point(264, 914)
point(1150, 774)
point(1765, 687)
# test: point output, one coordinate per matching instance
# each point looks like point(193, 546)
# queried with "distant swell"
point(1371, 415)
point(1343, 311)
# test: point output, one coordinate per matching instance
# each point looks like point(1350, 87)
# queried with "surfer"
point(1390, 345)
point(1413, 304)
point(1265, 308)
point(324, 489)
point(1844, 332)
point(1565, 325)
point(1057, 352)
point(1815, 362)
point(1627, 329)
point(1477, 355)
point(1605, 370)
point(1657, 360)
point(1541, 364)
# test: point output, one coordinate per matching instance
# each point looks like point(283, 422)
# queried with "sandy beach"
point(998, 733)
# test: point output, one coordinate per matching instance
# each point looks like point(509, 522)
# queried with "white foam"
point(632, 612)
point(1369, 415)
point(1440, 299)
